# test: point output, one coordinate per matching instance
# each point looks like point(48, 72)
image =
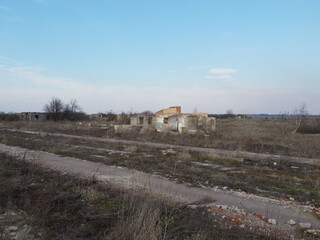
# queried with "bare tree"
point(73, 112)
point(285, 122)
point(195, 110)
point(110, 116)
point(74, 106)
point(147, 112)
point(299, 114)
point(229, 112)
point(55, 107)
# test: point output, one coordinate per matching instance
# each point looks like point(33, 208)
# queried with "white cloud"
point(222, 73)
point(217, 73)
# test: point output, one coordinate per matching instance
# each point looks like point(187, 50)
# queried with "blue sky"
point(251, 56)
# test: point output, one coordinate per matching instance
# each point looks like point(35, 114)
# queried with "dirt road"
point(251, 208)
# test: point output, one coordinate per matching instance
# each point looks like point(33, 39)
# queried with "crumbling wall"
point(34, 116)
point(122, 128)
point(133, 120)
point(173, 123)
point(171, 119)
point(203, 115)
point(149, 121)
point(96, 116)
point(146, 120)
point(162, 122)
point(210, 125)
point(170, 111)
point(187, 123)
point(192, 123)
point(182, 125)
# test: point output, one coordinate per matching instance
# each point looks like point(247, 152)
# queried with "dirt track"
point(246, 205)
point(212, 151)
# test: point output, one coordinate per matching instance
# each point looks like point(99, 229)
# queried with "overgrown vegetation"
point(55, 206)
point(271, 179)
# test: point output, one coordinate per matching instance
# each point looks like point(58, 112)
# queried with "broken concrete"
point(122, 128)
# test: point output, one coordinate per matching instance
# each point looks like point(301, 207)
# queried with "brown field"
point(260, 135)
point(281, 181)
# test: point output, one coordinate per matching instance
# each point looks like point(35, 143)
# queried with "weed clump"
point(131, 148)
point(184, 156)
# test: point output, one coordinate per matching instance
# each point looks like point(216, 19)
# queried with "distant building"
point(171, 119)
point(34, 116)
point(97, 116)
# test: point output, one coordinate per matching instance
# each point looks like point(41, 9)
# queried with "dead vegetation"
point(55, 206)
point(267, 178)
point(261, 135)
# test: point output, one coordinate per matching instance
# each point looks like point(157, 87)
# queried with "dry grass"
point(184, 155)
point(130, 148)
point(284, 179)
point(62, 207)
point(257, 135)
point(143, 224)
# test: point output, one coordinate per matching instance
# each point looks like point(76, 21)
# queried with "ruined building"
point(171, 119)
point(34, 116)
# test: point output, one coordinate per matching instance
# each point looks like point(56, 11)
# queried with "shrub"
point(310, 126)
point(10, 117)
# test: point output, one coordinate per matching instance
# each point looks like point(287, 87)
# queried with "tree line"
point(58, 110)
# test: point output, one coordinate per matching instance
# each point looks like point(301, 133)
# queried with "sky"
point(250, 56)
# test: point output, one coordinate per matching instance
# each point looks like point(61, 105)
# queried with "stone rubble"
point(305, 225)
point(291, 222)
point(169, 151)
point(13, 227)
point(272, 221)
point(315, 232)
point(192, 207)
